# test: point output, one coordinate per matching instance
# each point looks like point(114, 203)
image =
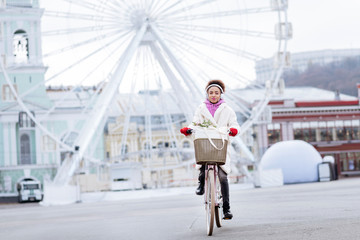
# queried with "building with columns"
point(26, 151)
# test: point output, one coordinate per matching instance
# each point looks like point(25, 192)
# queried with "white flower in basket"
point(210, 143)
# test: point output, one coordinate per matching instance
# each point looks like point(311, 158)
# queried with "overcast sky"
point(324, 24)
point(317, 25)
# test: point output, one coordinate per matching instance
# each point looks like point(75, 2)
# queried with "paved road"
point(318, 211)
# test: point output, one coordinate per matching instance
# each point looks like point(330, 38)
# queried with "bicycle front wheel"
point(218, 209)
point(210, 206)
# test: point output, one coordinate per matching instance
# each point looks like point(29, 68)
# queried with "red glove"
point(186, 131)
point(233, 132)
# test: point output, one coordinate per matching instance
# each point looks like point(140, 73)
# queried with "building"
point(27, 150)
point(327, 120)
point(301, 61)
point(146, 131)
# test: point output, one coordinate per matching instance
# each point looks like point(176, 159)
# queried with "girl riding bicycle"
point(215, 110)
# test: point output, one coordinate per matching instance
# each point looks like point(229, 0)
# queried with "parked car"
point(29, 190)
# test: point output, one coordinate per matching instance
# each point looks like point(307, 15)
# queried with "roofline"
point(326, 103)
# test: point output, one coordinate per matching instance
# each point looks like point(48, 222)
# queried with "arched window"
point(25, 150)
point(21, 46)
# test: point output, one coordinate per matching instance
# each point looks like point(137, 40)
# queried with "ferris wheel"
point(127, 47)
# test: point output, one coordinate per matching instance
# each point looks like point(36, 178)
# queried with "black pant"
point(223, 182)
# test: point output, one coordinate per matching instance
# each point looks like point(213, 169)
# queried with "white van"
point(29, 190)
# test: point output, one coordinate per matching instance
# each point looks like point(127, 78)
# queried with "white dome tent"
point(297, 160)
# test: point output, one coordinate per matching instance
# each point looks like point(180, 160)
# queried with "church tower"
point(20, 47)
point(21, 55)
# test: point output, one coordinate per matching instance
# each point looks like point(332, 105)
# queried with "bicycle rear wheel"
point(210, 205)
point(218, 209)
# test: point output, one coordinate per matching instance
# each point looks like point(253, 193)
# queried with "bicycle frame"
point(213, 167)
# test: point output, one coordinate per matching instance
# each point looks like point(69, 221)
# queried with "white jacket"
point(224, 117)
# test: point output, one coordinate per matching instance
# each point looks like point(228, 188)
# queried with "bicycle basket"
point(205, 152)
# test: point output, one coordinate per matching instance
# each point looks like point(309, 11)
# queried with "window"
point(7, 95)
point(274, 133)
point(124, 151)
point(340, 131)
point(350, 161)
point(25, 121)
point(147, 146)
point(355, 133)
point(20, 46)
point(25, 150)
point(297, 131)
point(325, 132)
point(343, 162)
point(49, 144)
point(330, 131)
point(185, 155)
point(138, 120)
point(172, 144)
point(347, 129)
point(19, 3)
point(357, 161)
point(157, 120)
point(69, 138)
point(308, 134)
point(161, 147)
point(186, 144)
point(312, 131)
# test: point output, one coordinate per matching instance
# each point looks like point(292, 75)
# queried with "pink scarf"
point(212, 107)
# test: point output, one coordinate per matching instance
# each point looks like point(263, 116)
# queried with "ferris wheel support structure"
point(196, 92)
point(186, 109)
point(149, 34)
point(99, 111)
point(188, 42)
